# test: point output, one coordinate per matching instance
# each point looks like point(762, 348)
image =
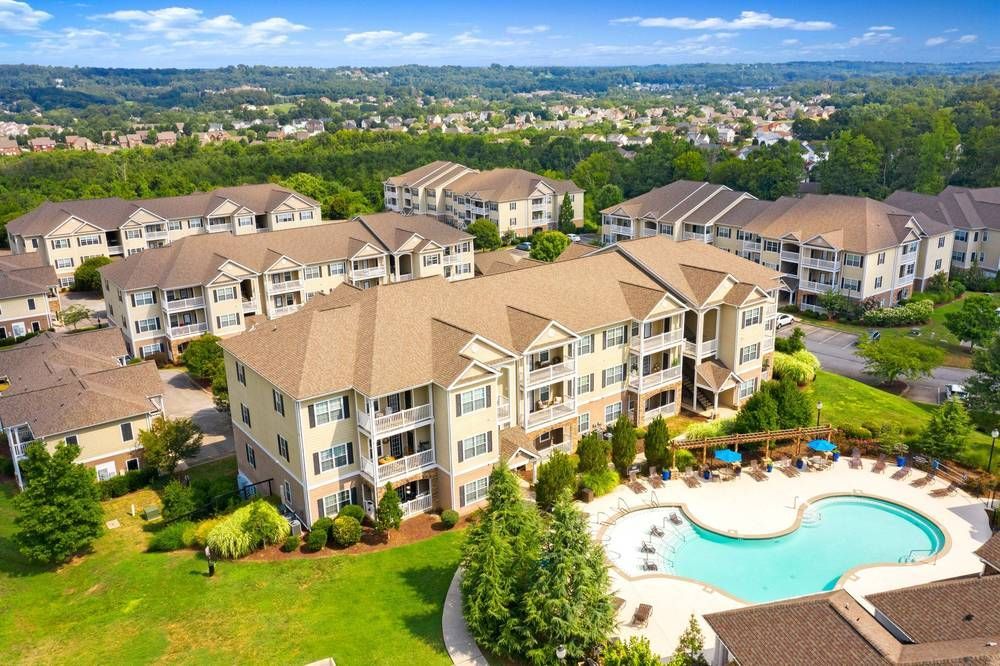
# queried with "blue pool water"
point(836, 534)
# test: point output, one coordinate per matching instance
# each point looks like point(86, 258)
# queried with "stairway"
point(688, 390)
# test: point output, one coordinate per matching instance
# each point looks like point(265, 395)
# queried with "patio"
point(745, 507)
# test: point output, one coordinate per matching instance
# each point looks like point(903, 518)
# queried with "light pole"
point(994, 435)
point(561, 653)
point(819, 410)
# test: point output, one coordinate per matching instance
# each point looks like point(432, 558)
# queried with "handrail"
point(622, 502)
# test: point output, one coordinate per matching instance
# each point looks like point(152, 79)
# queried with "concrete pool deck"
point(751, 508)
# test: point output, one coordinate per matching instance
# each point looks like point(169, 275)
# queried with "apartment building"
point(165, 297)
point(974, 214)
point(862, 248)
point(516, 200)
point(29, 295)
point(66, 233)
point(427, 385)
point(78, 388)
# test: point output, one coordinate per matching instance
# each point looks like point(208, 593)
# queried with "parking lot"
point(185, 398)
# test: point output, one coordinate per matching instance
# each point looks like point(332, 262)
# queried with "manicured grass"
point(122, 605)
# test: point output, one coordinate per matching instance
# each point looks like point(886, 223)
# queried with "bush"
point(852, 431)
point(315, 540)
point(202, 530)
point(346, 531)
point(353, 511)
point(594, 452)
point(793, 343)
point(87, 277)
point(172, 537)
point(116, 486)
point(486, 235)
point(291, 544)
point(324, 524)
point(640, 433)
point(800, 367)
point(247, 529)
point(177, 500)
point(684, 459)
point(716, 428)
point(140, 478)
point(601, 481)
point(449, 518)
point(554, 477)
point(914, 312)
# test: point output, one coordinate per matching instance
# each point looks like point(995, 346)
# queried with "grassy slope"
point(121, 605)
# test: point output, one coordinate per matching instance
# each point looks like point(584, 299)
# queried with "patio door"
point(392, 403)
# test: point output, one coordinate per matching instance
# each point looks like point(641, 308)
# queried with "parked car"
point(574, 238)
point(784, 319)
point(955, 391)
point(526, 246)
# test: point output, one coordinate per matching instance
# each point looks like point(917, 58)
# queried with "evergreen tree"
point(945, 434)
point(594, 452)
point(568, 602)
point(555, 477)
point(983, 388)
point(793, 406)
point(658, 443)
point(758, 414)
point(389, 513)
point(690, 646)
point(566, 224)
point(59, 513)
point(623, 439)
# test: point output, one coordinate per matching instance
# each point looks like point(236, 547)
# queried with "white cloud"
point(870, 39)
point(20, 16)
point(77, 39)
point(177, 24)
point(469, 38)
point(935, 41)
point(385, 38)
point(881, 28)
point(967, 39)
point(747, 20)
point(789, 42)
point(527, 29)
point(951, 30)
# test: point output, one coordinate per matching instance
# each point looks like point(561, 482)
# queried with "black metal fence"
point(222, 502)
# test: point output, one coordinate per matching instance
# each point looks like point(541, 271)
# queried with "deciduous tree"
point(889, 358)
point(983, 388)
point(548, 245)
point(74, 314)
point(87, 276)
point(486, 235)
point(976, 321)
point(168, 441)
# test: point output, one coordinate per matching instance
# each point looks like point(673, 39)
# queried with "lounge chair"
point(944, 492)
point(923, 481)
point(879, 466)
point(617, 603)
point(641, 616)
point(902, 472)
point(650, 566)
point(787, 468)
point(756, 473)
point(855, 461)
point(655, 531)
point(691, 479)
point(675, 519)
point(647, 548)
point(634, 484)
point(654, 479)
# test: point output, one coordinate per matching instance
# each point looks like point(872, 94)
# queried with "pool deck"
point(756, 509)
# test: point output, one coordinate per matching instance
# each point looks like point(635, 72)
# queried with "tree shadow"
point(429, 582)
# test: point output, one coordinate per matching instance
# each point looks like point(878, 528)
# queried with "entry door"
point(392, 403)
point(106, 470)
point(18, 329)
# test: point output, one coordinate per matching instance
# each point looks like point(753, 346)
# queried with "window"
point(851, 259)
point(614, 375)
point(312, 272)
point(245, 415)
point(724, 232)
point(512, 205)
point(432, 260)
point(471, 401)
point(881, 258)
point(937, 264)
point(147, 325)
point(286, 492)
point(105, 471)
point(772, 246)
point(327, 411)
point(31, 304)
point(133, 234)
point(338, 455)
point(306, 215)
point(958, 257)
point(850, 285)
point(332, 504)
point(72, 439)
point(474, 492)
point(241, 373)
point(752, 317)
point(583, 423)
point(143, 298)
point(615, 336)
point(284, 217)
point(477, 445)
point(585, 384)
point(227, 320)
point(750, 353)
point(64, 263)
point(65, 282)
point(283, 447)
point(134, 250)
point(878, 282)
point(906, 269)
point(975, 236)
point(127, 434)
point(585, 345)
point(462, 269)
point(612, 412)
point(60, 243)
point(337, 268)
point(251, 456)
point(148, 350)
point(83, 241)
point(195, 223)
point(174, 225)
point(748, 388)
point(278, 400)
point(941, 241)
point(224, 294)
point(244, 221)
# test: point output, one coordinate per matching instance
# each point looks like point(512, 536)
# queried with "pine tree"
point(945, 434)
point(568, 602)
point(59, 513)
point(658, 443)
point(566, 224)
point(690, 646)
point(623, 440)
point(389, 514)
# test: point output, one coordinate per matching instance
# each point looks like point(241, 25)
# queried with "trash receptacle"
point(707, 474)
point(666, 475)
point(799, 463)
point(588, 495)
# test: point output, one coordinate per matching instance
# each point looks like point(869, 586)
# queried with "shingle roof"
point(25, 278)
point(958, 207)
point(393, 229)
point(428, 175)
point(670, 202)
point(507, 184)
point(990, 551)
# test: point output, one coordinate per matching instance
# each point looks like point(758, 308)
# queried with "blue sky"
point(208, 34)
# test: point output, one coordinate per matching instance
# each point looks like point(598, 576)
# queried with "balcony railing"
point(367, 273)
point(819, 287)
point(620, 229)
point(250, 305)
point(404, 418)
point(707, 347)
point(550, 374)
point(503, 409)
point(663, 410)
point(391, 469)
point(751, 246)
point(655, 342)
point(767, 344)
point(404, 278)
point(417, 505)
point(450, 259)
point(216, 228)
point(905, 280)
point(790, 256)
point(813, 308)
point(281, 310)
point(115, 250)
point(19, 450)
point(283, 286)
point(770, 309)
point(821, 264)
point(691, 235)
point(156, 235)
point(183, 303)
point(654, 379)
point(552, 413)
point(189, 329)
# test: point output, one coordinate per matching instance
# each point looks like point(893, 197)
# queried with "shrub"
point(852, 431)
point(246, 529)
point(640, 433)
point(140, 478)
point(324, 524)
point(914, 312)
point(172, 537)
point(793, 343)
point(716, 428)
point(554, 477)
point(202, 530)
point(291, 544)
point(799, 367)
point(315, 540)
point(116, 486)
point(601, 481)
point(449, 518)
point(346, 531)
point(87, 277)
point(684, 459)
point(177, 500)
point(594, 452)
point(353, 511)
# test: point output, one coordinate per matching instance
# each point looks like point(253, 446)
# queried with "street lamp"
point(819, 410)
point(994, 435)
point(561, 653)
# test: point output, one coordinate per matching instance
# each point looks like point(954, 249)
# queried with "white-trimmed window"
point(127, 434)
point(585, 384)
point(60, 243)
point(585, 345)
point(251, 456)
point(147, 325)
point(880, 259)
point(748, 388)
point(613, 375)
point(306, 215)
point(278, 400)
point(750, 353)
point(852, 259)
point(724, 232)
point(432, 260)
point(772, 246)
point(148, 350)
point(878, 282)
point(64, 263)
point(196, 223)
point(133, 234)
point(227, 320)
point(244, 220)
point(92, 239)
point(134, 250)
point(338, 455)
point(337, 268)
point(848, 284)
point(473, 400)
point(335, 409)
point(143, 298)
point(283, 448)
point(941, 240)
point(174, 225)
point(332, 504)
point(937, 264)
point(961, 236)
point(614, 337)
point(462, 269)
point(612, 412)
point(224, 294)
point(312, 272)
point(284, 217)
point(752, 317)
point(65, 282)
point(474, 492)
point(958, 257)
point(245, 415)
point(583, 423)
point(474, 446)
point(241, 373)
point(286, 492)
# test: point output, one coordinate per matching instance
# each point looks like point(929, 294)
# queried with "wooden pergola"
point(724, 442)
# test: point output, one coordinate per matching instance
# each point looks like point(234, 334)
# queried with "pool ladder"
point(911, 556)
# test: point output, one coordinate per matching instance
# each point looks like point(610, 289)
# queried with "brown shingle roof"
point(944, 611)
point(428, 175)
point(393, 229)
point(507, 184)
point(990, 551)
point(958, 207)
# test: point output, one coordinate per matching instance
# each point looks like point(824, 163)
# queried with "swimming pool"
point(836, 534)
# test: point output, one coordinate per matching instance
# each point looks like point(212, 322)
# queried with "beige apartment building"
point(79, 388)
point(862, 248)
point(66, 233)
point(515, 200)
point(29, 295)
point(427, 385)
point(165, 297)
point(974, 214)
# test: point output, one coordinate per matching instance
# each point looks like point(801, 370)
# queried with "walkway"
point(185, 398)
point(457, 639)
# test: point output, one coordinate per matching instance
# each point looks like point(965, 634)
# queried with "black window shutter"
point(458, 405)
point(461, 450)
point(158, 323)
point(237, 317)
point(354, 495)
point(322, 508)
point(347, 407)
point(136, 327)
point(316, 463)
point(489, 442)
point(218, 322)
point(350, 453)
point(132, 296)
point(488, 396)
point(312, 416)
point(154, 296)
point(408, 399)
point(461, 496)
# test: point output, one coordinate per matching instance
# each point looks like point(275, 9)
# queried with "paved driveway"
point(185, 398)
point(836, 350)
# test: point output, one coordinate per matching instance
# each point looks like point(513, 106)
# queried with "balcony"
point(813, 308)
point(283, 286)
point(751, 246)
point(657, 342)
point(451, 259)
point(547, 375)
point(702, 238)
point(818, 287)
point(770, 310)
point(367, 273)
point(391, 469)
point(250, 305)
point(404, 419)
point(187, 330)
point(156, 235)
point(654, 379)
point(767, 344)
point(115, 250)
point(285, 309)
point(619, 229)
point(551, 414)
point(707, 347)
point(790, 256)
point(421, 504)
point(821, 264)
point(503, 410)
point(216, 228)
point(183, 304)
point(663, 410)
point(904, 280)
point(404, 278)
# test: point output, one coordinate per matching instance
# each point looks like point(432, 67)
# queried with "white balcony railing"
point(707, 347)
point(619, 229)
point(417, 505)
point(549, 374)
point(751, 246)
point(655, 342)
point(115, 250)
point(821, 264)
point(503, 410)
point(654, 379)
point(281, 310)
point(790, 256)
point(552, 413)
point(283, 286)
point(404, 278)
point(250, 305)
point(905, 280)
point(405, 418)
point(189, 329)
point(367, 273)
point(216, 228)
point(183, 304)
point(156, 235)
point(819, 287)
point(663, 410)
point(770, 310)
point(451, 259)
point(19, 450)
point(813, 308)
point(691, 235)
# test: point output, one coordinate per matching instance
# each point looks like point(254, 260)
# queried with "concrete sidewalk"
point(457, 639)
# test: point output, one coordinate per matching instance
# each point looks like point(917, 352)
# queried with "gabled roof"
point(508, 184)
point(957, 207)
point(429, 175)
point(672, 202)
point(393, 230)
point(25, 275)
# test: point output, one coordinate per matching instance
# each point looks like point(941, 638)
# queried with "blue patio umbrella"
point(821, 445)
point(728, 456)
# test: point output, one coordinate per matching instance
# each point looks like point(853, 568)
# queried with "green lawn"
point(122, 605)
point(847, 401)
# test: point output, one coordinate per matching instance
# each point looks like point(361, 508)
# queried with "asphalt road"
point(836, 351)
point(184, 398)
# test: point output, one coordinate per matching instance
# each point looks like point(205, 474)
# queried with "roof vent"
point(969, 618)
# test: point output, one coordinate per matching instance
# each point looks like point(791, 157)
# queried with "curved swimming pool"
point(836, 534)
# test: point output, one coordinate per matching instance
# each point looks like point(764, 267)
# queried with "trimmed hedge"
point(125, 483)
point(315, 540)
point(449, 518)
point(346, 531)
point(291, 544)
point(914, 312)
